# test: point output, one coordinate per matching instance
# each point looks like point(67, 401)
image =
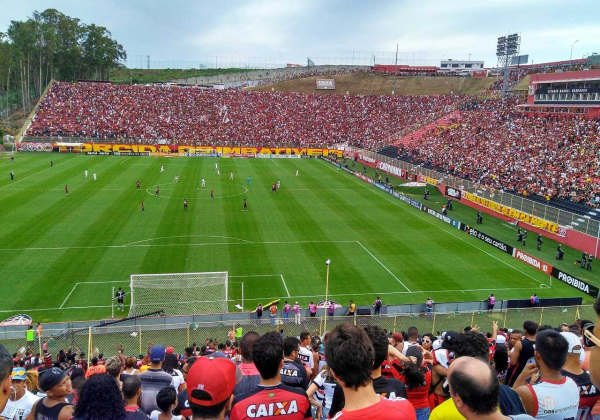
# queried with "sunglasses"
point(425, 341)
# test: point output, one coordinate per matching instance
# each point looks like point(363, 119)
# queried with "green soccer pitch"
point(61, 255)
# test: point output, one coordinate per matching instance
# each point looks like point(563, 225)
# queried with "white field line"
point(397, 204)
point(35, 173)
point(285, 285)
point(256, 275)
point(383, 265)
point(283, 297)
point(63, 248)
point(120, 163)
point(68, 296)
point(186, 236)
point(273, 160)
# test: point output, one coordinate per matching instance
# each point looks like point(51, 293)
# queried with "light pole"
point(571, 57)
point(326, 291)
point(469, 56)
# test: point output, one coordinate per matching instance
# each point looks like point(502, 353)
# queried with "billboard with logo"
point(453, 192)
point(325, 84)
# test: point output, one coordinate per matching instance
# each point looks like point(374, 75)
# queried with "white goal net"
point(179, 293)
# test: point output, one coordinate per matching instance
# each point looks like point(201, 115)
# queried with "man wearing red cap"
point(271, 399)
point(210, 385)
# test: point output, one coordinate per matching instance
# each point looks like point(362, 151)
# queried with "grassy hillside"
point(142, 76)
point(375, 84)
point(522, 85)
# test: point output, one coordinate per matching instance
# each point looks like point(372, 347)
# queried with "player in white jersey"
point(216, 166)
point(231, 176)
point(553, 396)
point(85, 172)
point(218, 173)
point(94, 175)
point(162, 168)
point(296, 172)
point(176, 178)
point(203, 183)
point(278, 184)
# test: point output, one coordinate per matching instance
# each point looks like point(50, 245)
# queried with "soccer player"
point(248, 180)
point(184, 204)
point(231, 176)
point(273, 188)
point(120, 295)
point(297, 172)
point(66, 190)
point(218, 172)
point(176, 178)
point(51, 164)
point(278, 184)
point(203, 183)
point(212, 195)
point(216, 166)
point(86, 173)
point(157, 192)
point(539, 242)
point(12, 176)
point(162, 169)
point(94, 176)
point(137, 184)
point(143, 210)
point(245, 205)
point(12, 159)
point(271, 398)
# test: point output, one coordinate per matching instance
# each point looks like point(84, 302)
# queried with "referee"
point(120, 295)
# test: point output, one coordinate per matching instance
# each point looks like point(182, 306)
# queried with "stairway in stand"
point(416, 136)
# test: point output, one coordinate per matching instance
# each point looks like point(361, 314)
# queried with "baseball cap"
point(450, 338)
point(169, 350)
point(500, 339)
point(19, 374)
point(573, 341)
point(437, 344)
point(51, 377)
point(215, 376)
point(398, 337)
point(157, 354)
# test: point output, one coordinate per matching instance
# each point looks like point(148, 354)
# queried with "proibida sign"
point(325, 84)
point(572, 281)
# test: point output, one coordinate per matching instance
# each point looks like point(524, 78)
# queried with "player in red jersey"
point(137, 184)
point(212, 195)
point(184, 204)
point(271, 400)
point(143, 207)
point(66, 190)
point(350, 356)
point(157, 192)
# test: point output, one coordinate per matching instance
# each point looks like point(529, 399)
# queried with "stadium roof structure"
point(565, 77)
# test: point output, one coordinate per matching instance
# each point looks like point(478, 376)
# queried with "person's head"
point(32, 381)
point(94, 361)
point(157, 355)
point(551, 350)
point(291, 347)
point(132, 389)
point(166, 399)
point(471, 344)
point(170, 363)
point(130, 362)
point(427, 341)
point(18, 381)
point(474, 387)
point(188, 351)
point(110, 406)
point(304, 338)
point(211, 382)
point(500, 358)
point(380, 343)
point(185, 369)
point(56, 383)
point(530, 328)
point(113, 367)
point(575, 348)
point(514, 336)
point(413, 333)
point(268, 355)
point(413, 375)
point(564, 327)
point(247, 344)
point(350, 355)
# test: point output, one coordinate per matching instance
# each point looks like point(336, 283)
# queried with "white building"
point(461, 65)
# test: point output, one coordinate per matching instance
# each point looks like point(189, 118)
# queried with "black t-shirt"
point(183, 405)
point(294, 374)
point(386, 388)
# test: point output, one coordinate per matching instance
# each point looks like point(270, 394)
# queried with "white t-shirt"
point(20, 409)
point(325, 388)
point(306, 356)
point(155, 413)
point(177, 379)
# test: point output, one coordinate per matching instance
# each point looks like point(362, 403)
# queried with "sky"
point(186, 33)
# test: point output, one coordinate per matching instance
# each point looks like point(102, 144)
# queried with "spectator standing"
point(100, 399)
point(154, 379)
point(331, 308)
point(554, 396)
point(286, 311)
point(132, 390)
point(130, 368)
point(166, 400)
point(312, 309)
point(171, 366)
point(350, 356)
point(475, 390)
point(429, 305)
point(320, 393)
point(250, 375)
point(292, 373)
point(377, 305)
point(491, 302)
point(21, 401)
point(351, 308)
point(522, 352)
point(595, 352)
point(306, 355)
point(297, 316)
point(259, 312)
point(56, 383)
point(113, 368)
point(183, 405)
point(271, 395)
point(273, 314)
point(95, 368)
point(211, 382)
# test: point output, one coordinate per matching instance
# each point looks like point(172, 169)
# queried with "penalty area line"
point(68, 296)
point(383, 265)
point(285, 285)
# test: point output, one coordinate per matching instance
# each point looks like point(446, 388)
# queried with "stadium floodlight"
point(507, 49)
point(202, 293)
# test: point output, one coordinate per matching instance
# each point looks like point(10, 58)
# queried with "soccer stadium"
point(374, 217)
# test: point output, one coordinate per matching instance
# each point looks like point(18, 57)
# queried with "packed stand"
point(148, 114)
point(492, 144)
point(350, 372)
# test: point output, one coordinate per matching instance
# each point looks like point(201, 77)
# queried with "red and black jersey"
point(183, 405)
point(391, 370)
point(588, 394)
point(271, 402)
point(229, 352)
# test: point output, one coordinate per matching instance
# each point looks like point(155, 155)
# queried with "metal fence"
point(577, 222)
point(136, 339)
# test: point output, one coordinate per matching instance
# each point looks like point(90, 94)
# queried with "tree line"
point(51, 45)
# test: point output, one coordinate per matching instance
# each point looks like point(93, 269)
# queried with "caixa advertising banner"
point(572, 281)
point(453, 192)
point(325, 84)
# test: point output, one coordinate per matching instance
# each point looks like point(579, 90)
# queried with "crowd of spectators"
point(149, 114)
point(493, 144)
point(350, 372)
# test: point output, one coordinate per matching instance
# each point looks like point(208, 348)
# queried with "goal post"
point(179, 293)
